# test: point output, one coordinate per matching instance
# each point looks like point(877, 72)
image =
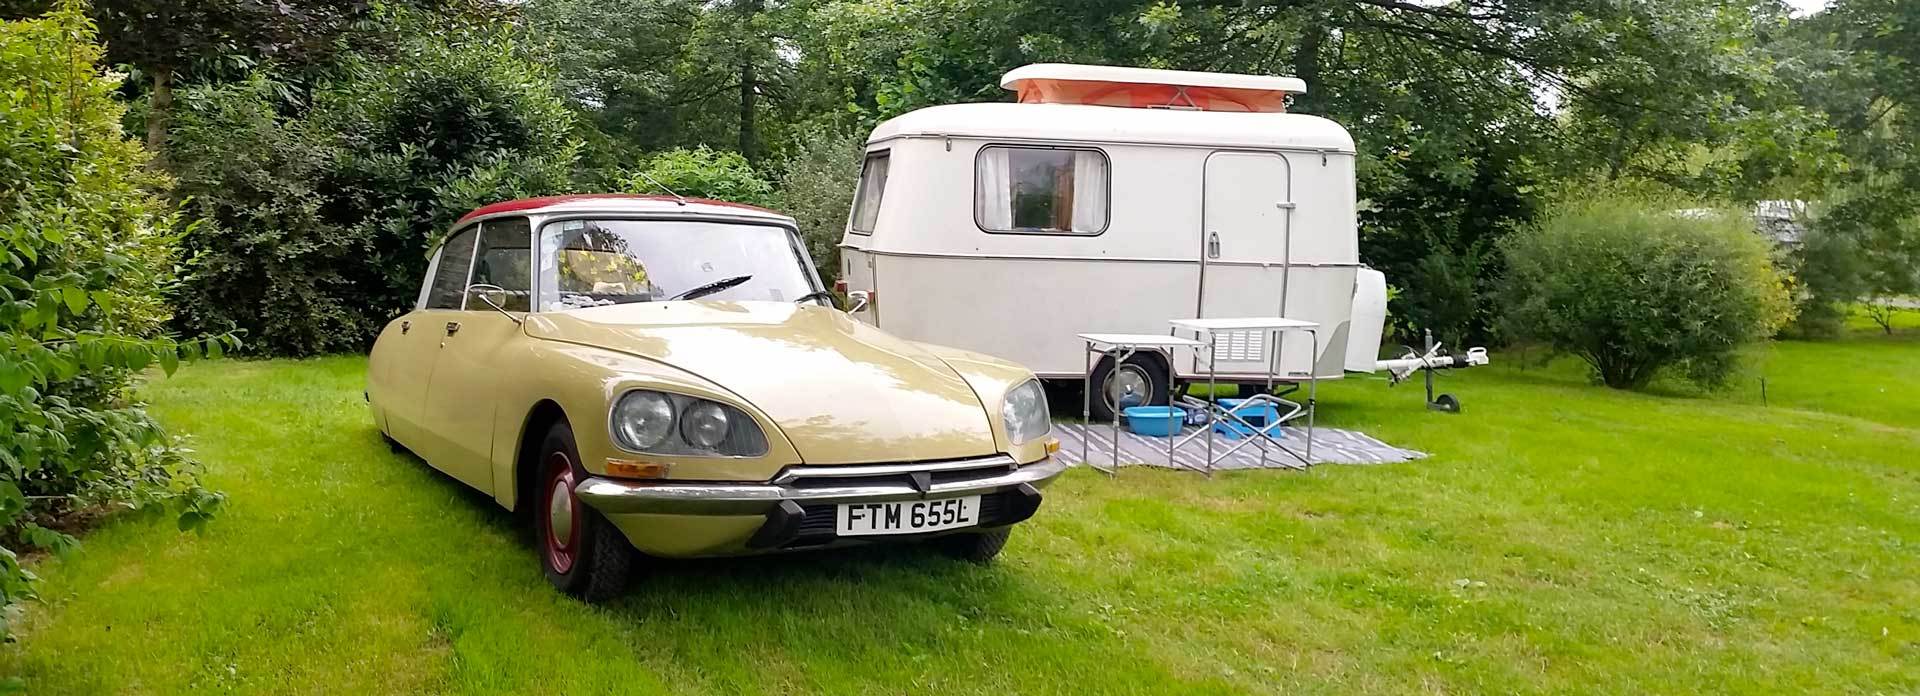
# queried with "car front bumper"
point(718, 518)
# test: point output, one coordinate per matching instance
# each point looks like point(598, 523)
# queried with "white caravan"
point(1114, 199)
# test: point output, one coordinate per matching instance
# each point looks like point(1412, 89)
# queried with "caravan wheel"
point(1141, 380)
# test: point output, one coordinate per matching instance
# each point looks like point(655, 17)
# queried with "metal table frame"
point(1274, 328)
point(1120, 347)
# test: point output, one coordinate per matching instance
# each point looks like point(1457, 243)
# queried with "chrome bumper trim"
point(804, 472)
point(707, 498)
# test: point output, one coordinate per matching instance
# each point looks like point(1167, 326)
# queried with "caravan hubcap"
point(1127, 386)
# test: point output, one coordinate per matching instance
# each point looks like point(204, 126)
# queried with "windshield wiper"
point(711, 288)
point(818, 295)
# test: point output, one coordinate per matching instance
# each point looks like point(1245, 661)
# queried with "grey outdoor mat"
point(1330, 446)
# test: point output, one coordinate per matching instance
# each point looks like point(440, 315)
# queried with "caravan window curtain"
point(873, 188)
point(1041, 190)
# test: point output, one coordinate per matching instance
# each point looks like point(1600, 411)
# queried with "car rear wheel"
point(975, 547)
point(582, 553)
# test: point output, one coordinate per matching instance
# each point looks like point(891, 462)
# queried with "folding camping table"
point(1121, 347)
point(1210, 330)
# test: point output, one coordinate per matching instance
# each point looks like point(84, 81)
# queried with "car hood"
point(841, 391)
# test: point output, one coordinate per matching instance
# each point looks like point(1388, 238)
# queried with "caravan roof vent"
point(1146, 88)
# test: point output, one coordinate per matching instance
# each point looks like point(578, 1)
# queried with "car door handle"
point(405, 326)
point(453, 327)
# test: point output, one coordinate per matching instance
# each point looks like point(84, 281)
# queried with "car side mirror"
point(859, 299)
point(487, 293)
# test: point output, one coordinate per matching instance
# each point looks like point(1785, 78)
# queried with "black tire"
point(975, 547)
point(594, 562)
point(393, 445)
point(1145, 367)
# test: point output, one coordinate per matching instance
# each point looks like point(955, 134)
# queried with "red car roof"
point(539, 202)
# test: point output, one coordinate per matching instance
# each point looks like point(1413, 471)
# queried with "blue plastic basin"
point(1258, 415)
point(1155, 421)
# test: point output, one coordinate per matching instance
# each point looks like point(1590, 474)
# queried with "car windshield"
point(590, 263)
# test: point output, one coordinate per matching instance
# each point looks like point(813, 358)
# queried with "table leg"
point(1313, 389)
point(1086, 408)
point(1171, 405)
point(1213, 345)
point(1119, 356)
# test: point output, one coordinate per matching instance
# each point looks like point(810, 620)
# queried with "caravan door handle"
point(1213, 244)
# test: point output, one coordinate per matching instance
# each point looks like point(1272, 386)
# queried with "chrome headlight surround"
point(638, 423)
point(1024, 413)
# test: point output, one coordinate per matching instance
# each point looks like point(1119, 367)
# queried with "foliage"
point(320, 221)
point(650, 75)
point(701, 173)
point(1637, 288)
point(85, 253)
point(816, 187)
point(1855, 64)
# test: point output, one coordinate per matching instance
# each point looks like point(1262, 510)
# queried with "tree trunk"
point(749, 87)
point(1306, 64)
point(160, 105)
point(747, 94)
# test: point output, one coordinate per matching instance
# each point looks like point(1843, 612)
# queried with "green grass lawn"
point(1563, 538)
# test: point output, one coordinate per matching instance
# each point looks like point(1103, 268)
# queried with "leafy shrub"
point(702, 173)
point(266, 261)
point(86, 253)
point(1637, 289)
point(1445, 293)
point(1861, 250)
point(817, 188)
point(321, 220)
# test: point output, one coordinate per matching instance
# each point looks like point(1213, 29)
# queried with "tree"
point(164, 38)
point(658, 74)
point(1855, 64)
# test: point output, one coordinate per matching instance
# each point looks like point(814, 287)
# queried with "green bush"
point(86, 254)
point(1637, 288)
point(702, 173)
point(322, 214)
point(817, 187)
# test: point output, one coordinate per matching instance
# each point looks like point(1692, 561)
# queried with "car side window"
point(505, 259)
point(449, 288)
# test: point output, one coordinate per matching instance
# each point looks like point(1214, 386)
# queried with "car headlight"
point(652, 422)
point(1024, 412)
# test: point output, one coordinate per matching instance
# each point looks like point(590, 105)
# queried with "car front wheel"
point(976, 547)
point(582, 553)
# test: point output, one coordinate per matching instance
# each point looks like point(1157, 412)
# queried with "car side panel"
point(461, 397)
point(397, 372)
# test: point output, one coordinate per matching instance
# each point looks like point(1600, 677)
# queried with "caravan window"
point(1040, 190)
point(873, 185)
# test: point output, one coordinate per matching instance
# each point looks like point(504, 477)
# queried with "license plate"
point(907, 517)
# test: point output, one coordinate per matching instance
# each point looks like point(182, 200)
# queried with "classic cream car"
point(666, 375)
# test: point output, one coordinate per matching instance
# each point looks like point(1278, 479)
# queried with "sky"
point(1802, 8)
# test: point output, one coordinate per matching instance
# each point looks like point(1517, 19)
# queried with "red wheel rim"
point(559, 515)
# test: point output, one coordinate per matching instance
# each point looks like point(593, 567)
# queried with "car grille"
point(945, 471)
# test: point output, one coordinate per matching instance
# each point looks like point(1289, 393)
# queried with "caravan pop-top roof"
point(1107, 104)
point(1107, 85)
point(1106, 124)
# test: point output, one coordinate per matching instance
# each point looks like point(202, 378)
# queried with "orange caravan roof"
point(1062, 83)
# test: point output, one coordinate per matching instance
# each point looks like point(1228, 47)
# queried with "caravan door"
point(1245, 217)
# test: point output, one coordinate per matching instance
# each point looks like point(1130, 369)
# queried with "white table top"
point(1141, 340)
point(1242, 324)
